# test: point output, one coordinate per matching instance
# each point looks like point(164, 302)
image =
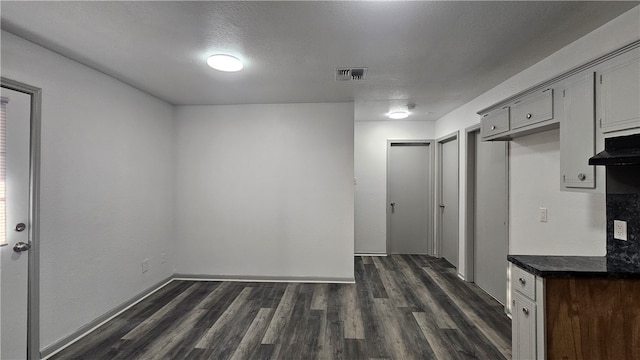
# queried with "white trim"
point(33, 267)
point(454, 136)
point(90, 327)
point(265, 279)
point(370, 254)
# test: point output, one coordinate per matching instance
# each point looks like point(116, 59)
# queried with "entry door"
point(490, 209)
point(448, 206)
point(14, 261)
point(409, 196)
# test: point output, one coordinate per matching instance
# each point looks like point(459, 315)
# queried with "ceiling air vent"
point(348, 74)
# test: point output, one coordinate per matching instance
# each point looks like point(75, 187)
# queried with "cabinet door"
point(619, 93)
point(495, 122)
point(577, 133)
point(523, 328)
point(532, 109)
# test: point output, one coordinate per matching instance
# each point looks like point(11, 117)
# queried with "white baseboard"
point(255, 278)
point(101, 320)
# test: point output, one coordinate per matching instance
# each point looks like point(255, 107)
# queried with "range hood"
point(621, 150)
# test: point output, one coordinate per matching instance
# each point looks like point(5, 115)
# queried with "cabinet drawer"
point(495, 122)
point(523, 282)
point(532, 109)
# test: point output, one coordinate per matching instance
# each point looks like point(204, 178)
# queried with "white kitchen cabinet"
point(527, 311)
point(523, 328)
point(589, 103)
point(619, 93)
point(495, 122)
point(532, 109)
point(525, 115)
point(577, 132)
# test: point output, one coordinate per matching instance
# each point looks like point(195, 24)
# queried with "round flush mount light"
point(402, 114)
point(224, 62)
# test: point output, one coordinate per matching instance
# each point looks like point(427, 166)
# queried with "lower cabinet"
point(527, 311)
point(579, 318)
point(523, 328)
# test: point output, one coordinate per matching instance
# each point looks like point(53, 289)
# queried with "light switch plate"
point(620, 230)
point(542, 214)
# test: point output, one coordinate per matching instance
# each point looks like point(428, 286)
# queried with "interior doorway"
point(410, 197)
point(487, 214)
point(448, 199)
point(19, 267)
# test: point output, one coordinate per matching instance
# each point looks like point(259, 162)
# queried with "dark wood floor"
point(401, 307)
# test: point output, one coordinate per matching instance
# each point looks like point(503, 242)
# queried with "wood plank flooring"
point(401, 307)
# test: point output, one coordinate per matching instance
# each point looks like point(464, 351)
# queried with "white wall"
point(371, 174)
point(534, 160)
point(577, 221)
point(106, 187)
point(265, 191)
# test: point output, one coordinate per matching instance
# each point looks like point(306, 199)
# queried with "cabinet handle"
point(582, 177)
point(528, 116)
point(525, 311)
point(523, 282)
point(493, 127)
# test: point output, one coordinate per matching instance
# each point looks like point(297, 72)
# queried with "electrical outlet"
point(542, 214)
point(620, 230)
point(145, 265)
point(163, 257)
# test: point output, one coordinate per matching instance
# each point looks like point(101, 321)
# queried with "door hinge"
point(600, 122)
point(600, 79)
point(564, 93)
point(564, 178)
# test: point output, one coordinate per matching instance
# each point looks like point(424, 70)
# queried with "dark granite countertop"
point(574, 267)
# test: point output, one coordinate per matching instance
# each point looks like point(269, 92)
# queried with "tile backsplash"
point(623, 203)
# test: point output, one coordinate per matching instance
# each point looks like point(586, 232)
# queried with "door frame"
point(473, 136)
point(33, 286)
point(430, 237)
point(438, 214)
point(470, 196)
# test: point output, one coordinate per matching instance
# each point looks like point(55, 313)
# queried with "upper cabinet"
point(530, 113)
point(577, 132)
point(593, 101)
point(533, 109)
point(495, 122)
point(619, 90)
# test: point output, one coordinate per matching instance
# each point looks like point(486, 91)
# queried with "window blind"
point(3, 171)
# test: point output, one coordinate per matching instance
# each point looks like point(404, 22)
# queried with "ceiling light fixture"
point(224, 62)
point(402, 114)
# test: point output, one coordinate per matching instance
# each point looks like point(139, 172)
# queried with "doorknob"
point(393, 207)
point(21, 246)
point(20, 227)
point(441, 206)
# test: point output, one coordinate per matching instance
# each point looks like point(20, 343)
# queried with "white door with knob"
point(15, 254)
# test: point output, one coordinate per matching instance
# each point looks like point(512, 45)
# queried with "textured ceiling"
point(438, 55)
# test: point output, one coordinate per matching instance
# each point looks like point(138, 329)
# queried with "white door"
point(490, 217)
point(449, 200)
point(409, 185)
point(15, 255)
